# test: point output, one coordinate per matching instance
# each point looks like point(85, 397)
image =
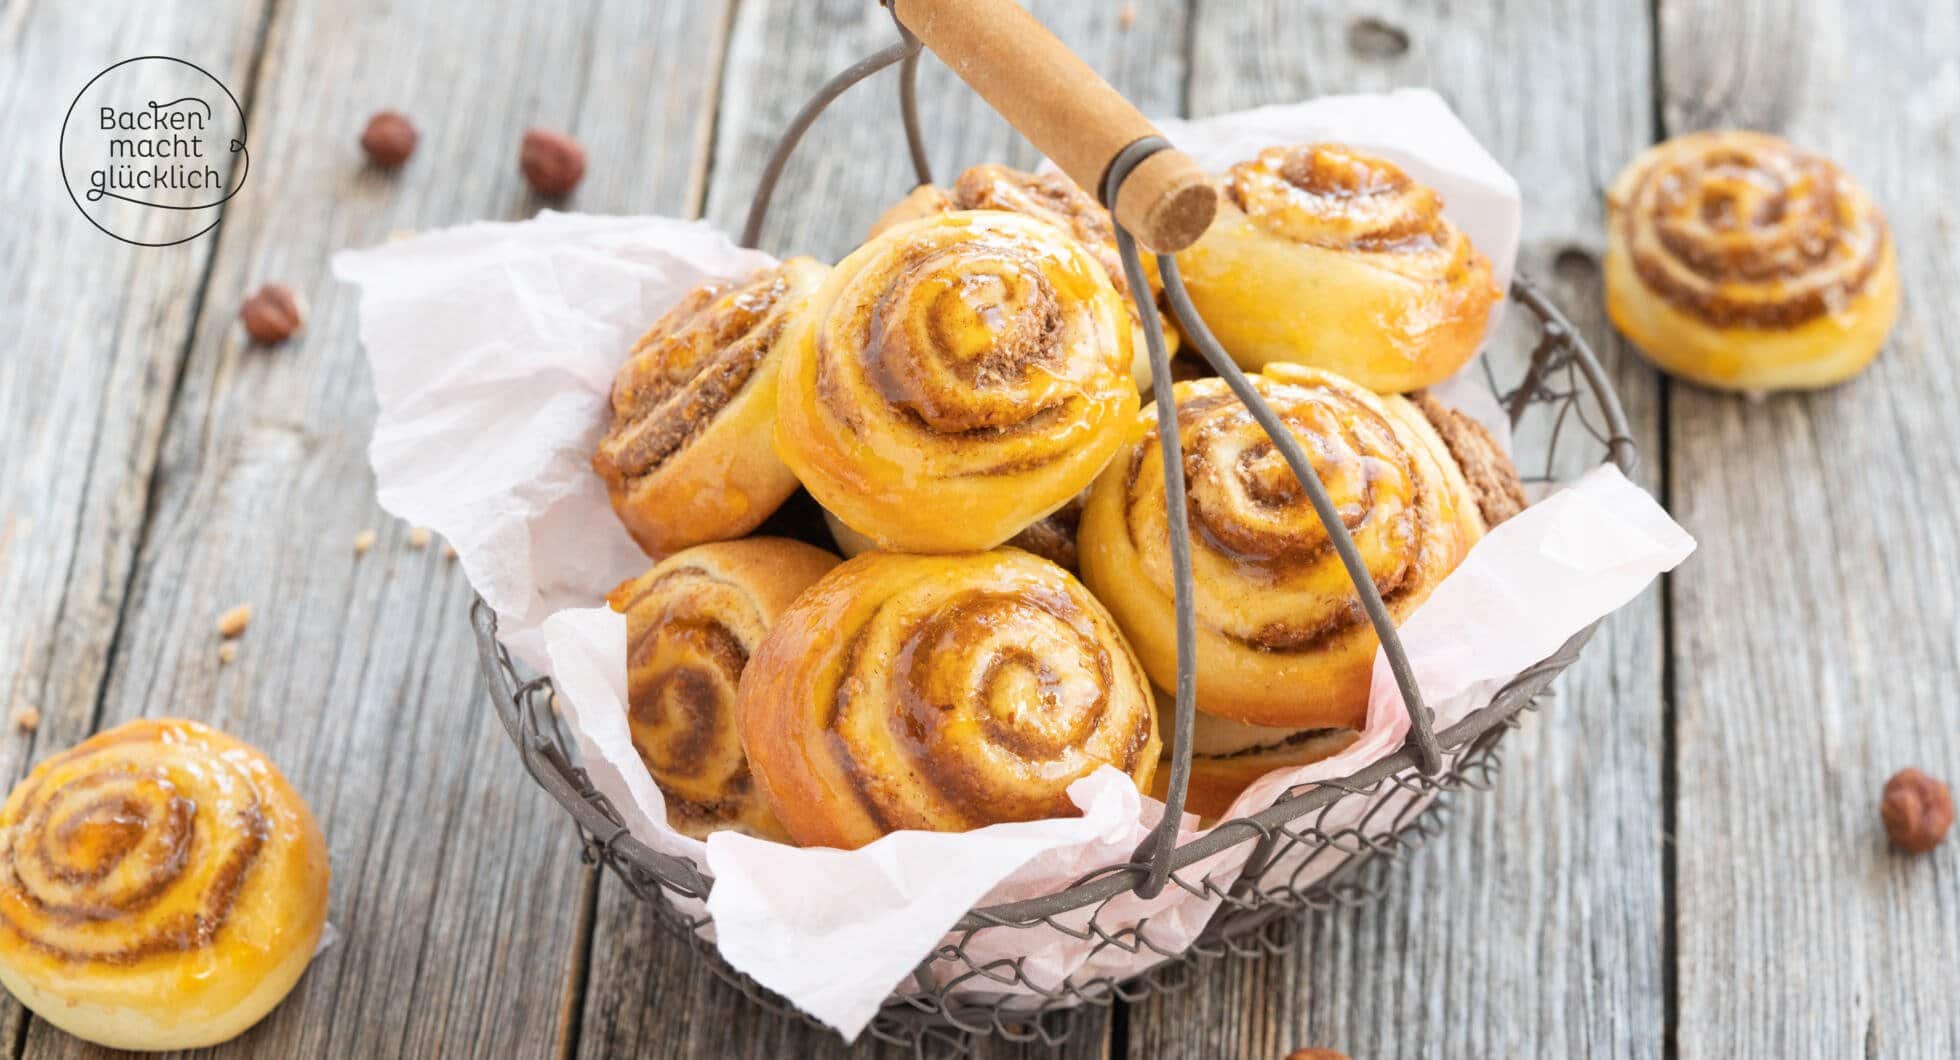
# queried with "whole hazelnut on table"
point(272, 313)
point(1917, 810)
point(553, 163)
point(388, 139)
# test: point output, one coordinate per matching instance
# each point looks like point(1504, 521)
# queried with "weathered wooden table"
point(1682, 855)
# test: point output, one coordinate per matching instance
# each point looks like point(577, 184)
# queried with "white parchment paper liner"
point(493, 347)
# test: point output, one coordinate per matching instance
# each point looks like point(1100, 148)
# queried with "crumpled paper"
point(493, 347)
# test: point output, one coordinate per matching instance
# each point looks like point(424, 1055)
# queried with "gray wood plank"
point(97, 332)
point(457, 892)
point(646, 993)
point(1534, 925)
point(1818, 625)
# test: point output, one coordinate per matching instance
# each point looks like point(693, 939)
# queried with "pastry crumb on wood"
point(363, 541)
point(26, 719)
point(418, 537)
point(448, 551)
point(227, 652)
point(1126, 16)
point(233, 622)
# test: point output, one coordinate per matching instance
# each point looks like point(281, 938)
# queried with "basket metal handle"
point(1068, 112)
point(1074, 116)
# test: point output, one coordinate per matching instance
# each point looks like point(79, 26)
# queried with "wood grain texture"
point(457, 893)
point(647, 994)
point(1817, 631)
point(1534, 925)
point(97, 333)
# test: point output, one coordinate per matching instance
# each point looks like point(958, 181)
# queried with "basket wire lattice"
point(1320, 846)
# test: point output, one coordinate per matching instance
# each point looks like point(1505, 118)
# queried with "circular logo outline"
point(61, 145)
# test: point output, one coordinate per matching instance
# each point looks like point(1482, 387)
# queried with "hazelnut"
point(233, 622)
point(388, 139)
point(1917, 810)
point(553, 163)
point(272, 313)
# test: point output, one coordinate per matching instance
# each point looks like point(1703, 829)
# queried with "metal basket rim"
point(597, 818)
point(543, 742)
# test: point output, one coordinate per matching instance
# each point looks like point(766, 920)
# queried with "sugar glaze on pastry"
point(1326, 255)
point(957, 378)
point(941, 693)
point(161, 887)
point(1736, 260)
point(688, 459)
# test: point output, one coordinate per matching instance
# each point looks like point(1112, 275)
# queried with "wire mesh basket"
point(1320, 846)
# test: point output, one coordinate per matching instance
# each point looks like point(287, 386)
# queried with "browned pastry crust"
point(1051, 197)
point(1282, 641)
point(162, 887)
point(691, 624)
point(1742, 228)
point(1740, 261)
point(955, 379)
point(1492, 476)
point(942, 693)
point(687, 458)
point(1329, 256)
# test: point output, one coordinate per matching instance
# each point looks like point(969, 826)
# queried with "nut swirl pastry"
point(692, 622)
point(941, 693)
point(161, 887)
point(956, 378)
point(1329, 256)
point(1738, 261)
point(1054, 198)
point(688, 457)
point(1282, 639)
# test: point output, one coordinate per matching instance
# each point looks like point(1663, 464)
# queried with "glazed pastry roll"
point(1282, 639)
point(956, 379)
point(941, 693)
point(1332, 257)
point(688, 456)
point(1054, 198)
point(692, 623)
point(161, 887)
point(1736, 260)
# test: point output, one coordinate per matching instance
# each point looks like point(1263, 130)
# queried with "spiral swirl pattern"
point(1743, 229)
point(941, 693)
point(692, 623)
point(1283, 638)
point(98, 863)
point(1338, 198)
point(161, 887)
point(1327, 256)
point(977, 357)
point(687, 457)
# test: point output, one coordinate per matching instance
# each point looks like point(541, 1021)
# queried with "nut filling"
point(696, 360)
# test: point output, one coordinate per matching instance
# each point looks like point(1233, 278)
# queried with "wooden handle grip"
point(1067, 111)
